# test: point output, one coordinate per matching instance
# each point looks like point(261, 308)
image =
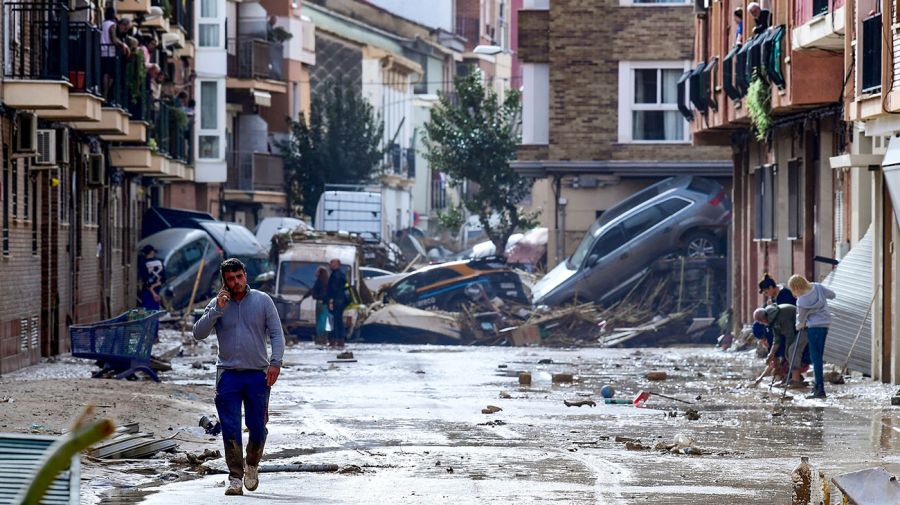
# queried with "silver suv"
point(686, 213)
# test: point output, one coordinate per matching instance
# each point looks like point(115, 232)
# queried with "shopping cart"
point(120, 345)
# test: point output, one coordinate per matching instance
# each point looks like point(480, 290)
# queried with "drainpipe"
point(561, 232)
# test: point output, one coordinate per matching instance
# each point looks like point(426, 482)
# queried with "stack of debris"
point(129, 443)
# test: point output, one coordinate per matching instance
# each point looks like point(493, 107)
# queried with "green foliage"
point(473, 138)
point(179, 116)
point(339, 144)
point(759, 103)
point(137, 76)
point(452, 219)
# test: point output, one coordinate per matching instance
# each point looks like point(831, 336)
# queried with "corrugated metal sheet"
point(19, 456)
point(852, 282)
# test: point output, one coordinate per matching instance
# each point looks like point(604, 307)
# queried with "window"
point(209, 105)
point(613, 239)
point(27, 193)
point(765, 202)
point(5, 183)
point(15, 188)
point(209, 35)
point(871, 54)
point(209, 146)
point(34, 216)
point(209, 24)
point(436, 275)
point(648, 102)
point(641, 222)
point(795, 199)
point(671, 206)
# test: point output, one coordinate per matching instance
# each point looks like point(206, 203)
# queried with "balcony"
point(172, 132)
point(183, 17)
point(819, 25)
point(85, 97)
point(119, 84)
point(255, 177)
point(37, 64)
point(257, 64)
point(133, 6)
point(468, 28)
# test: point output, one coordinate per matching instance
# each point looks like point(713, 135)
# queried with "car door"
point(597, 270)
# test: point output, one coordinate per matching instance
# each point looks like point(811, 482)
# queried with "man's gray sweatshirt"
point(243, 328)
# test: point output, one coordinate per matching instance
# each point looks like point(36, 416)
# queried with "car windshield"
point(298, 277)
point(584, 247)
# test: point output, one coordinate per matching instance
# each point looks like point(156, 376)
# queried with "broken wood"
point(579, 403)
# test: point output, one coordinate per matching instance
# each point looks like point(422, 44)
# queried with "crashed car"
point(686, 214)
point(447, 286)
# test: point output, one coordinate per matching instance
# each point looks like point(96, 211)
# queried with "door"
point(598, 271)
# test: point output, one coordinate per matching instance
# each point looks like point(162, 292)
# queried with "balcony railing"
point(117, 81)
point(253, 58)
point(438, 191)
point(84, 64)
point(469, 28)
point(182, 15)
point(38, 40)
point(871, 54)
point(249, 171)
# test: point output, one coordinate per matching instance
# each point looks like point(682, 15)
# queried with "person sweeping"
point(244, 319)
point(812, 315)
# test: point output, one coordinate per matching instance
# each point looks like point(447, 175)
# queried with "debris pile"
point(130, 443)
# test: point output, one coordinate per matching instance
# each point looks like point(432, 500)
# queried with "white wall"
point(433, 13)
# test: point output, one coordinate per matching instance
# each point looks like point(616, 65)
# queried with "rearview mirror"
point(592, 260)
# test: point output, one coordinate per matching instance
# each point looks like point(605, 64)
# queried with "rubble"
point(524, 378)
point(491, 409)
point(130, 443)
point(656, 376)
point(563, 378)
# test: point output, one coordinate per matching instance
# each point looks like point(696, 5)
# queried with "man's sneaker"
point(251, 477)
point(234, 487)
point(816, 395)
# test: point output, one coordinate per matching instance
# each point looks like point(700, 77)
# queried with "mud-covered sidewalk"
point(410, 418)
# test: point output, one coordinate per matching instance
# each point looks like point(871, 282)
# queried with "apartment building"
point(600, 116)
point(268, 51)
point(85, 147)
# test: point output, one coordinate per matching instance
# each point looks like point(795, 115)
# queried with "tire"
point(701, 244)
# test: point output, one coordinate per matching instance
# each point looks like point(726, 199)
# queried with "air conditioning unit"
point(26, 133)
point(62, 146)
point(96, 170)
point(46, 148)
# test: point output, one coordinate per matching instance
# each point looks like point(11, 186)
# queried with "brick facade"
point(584, 55)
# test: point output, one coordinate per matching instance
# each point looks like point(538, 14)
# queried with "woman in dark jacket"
point(319, 290)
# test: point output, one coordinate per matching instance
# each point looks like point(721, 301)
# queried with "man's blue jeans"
point(816, 338)
point(233, 389)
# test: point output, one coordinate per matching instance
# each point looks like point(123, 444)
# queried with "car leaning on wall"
point(686, 214)
point(447, 286)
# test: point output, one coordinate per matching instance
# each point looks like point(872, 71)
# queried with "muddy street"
point(410, 418)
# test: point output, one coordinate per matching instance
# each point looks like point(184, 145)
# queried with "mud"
point(421, 437)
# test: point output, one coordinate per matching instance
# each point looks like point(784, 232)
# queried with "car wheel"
point(701, 244)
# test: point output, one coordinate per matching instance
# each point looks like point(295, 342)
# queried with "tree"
point(339, 144)
point(474, 137)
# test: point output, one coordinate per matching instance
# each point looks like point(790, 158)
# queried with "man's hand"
point(331, 305)
point(272, 374)
point(223, 298)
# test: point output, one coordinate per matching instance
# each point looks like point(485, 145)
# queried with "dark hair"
point(231, 265)
point(766, 283)
point(321, 272)
point(739, 13)
point(109, 14)
point(147, 248)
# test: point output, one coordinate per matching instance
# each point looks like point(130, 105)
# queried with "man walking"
point(243, 318)
point(337, 300)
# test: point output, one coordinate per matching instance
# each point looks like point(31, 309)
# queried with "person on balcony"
point(762, 17)
point(739, 23)
point(148, 46)
point(112, 39)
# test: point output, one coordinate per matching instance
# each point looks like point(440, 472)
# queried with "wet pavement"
point(410, 418)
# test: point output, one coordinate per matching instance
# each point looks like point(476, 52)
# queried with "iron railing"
point(248, 171)
point(254, 58)
point(161, 128)
point(114, 68)
point(84, 64)
point(469, 28)
point(183, 16)
point(38, 40)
